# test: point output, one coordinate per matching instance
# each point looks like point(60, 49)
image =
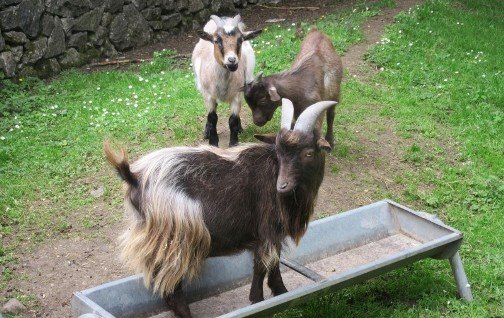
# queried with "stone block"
point(168, 5)
point(71, 58)
point(171, 20)
point(89, 21)
point(99, 36)
point(47, 24)
point(152, 14)
point(68, 24)
point(25, 16)
point(156, 25)
point(129, 29)
point(56, 43)
point(7, 64)
point(35, 50)
point(14, 37)
point(114, 6)
point(78, 40)
point(17, 53)
point(47, 68)
point(195, 5)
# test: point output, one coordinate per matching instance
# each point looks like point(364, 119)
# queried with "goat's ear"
point(205, 36)
point(324, 145)
point(267, 138)
point(273, 93)
point(251, 34)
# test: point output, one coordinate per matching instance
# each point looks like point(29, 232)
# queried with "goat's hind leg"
point(235, 126)
point(211, 124)
point(177, 303)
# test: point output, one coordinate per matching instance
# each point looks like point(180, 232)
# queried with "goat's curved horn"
point(218, 21)
point(258, 77)
point(236, 20)
point(306, 121)
point(287, 114)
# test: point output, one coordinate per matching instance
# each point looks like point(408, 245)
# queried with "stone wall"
point(42, 37)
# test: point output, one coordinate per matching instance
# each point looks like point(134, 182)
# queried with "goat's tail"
point(120, 162)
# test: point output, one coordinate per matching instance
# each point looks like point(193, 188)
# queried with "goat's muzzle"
point(231, 67)
point(284, 186)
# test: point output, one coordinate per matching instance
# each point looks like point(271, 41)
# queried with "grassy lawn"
point(441, 83)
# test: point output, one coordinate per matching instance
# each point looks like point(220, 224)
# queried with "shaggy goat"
point(315, 75)
point(191, 203)
point(223, 60)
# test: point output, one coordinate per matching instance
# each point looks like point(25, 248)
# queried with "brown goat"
point(315, 75)
point(191, 203)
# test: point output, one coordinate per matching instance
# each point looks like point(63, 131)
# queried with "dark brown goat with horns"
point(315, 75)
point(189, 203)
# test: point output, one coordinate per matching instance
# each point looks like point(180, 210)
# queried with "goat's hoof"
point(256, 300)
point(233, 143)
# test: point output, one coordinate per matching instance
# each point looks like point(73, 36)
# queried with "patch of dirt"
point(89, 257)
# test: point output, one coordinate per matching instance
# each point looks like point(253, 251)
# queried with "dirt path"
point(64, 265)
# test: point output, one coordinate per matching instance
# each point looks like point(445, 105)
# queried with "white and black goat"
point(315, 75)
point(223, 60)
point(189, 203)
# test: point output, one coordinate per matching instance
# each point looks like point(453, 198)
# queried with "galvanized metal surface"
point(377, 222)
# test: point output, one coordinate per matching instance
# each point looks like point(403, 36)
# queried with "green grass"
point(51, 134)
point(442, 70)
point(441, 84)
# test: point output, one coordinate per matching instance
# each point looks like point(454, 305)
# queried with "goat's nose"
point(232, 59)
point(283, 185)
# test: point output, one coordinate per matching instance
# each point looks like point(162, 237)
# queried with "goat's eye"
point(309, 153)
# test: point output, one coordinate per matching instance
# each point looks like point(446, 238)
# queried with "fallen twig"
point(290, 8)
point(133, 61)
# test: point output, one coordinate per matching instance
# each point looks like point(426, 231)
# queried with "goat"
point(315, 75)
point(189, 203)
point(223, 60)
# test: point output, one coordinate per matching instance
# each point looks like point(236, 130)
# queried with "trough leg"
point(235, 126)
point(463, 286)
point(275, 281)
point(211, 124)
point(177, 303)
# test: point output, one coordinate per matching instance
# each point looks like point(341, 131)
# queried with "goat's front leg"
point(235, 126)
point(330, 121)
point(177, 303)
point(275, 281)
point(256, 290)
point(211, 124)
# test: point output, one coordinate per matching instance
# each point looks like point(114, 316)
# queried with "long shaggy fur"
point(168, 240)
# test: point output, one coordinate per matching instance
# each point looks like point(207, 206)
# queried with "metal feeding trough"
point(336, 252)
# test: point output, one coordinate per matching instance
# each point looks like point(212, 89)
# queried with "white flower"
point(293, 24)
point(98, 88)
point(130, 87)
point(2, 138)
point(162, 72)
point(446, 80)
point(16, 126)
point(288, 29)
point(135, 96)
point(90, 102)
point(410, 44)
point(119, 100)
